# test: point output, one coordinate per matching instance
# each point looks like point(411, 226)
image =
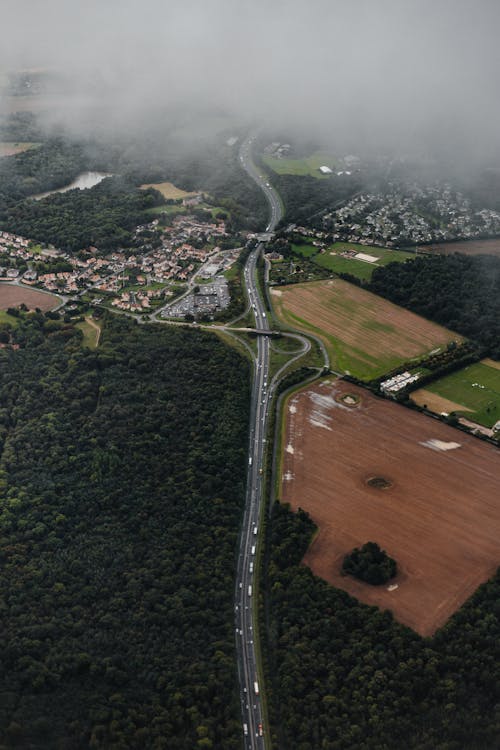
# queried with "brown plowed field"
point(13, 296)
point(469, 247)
point(439, 518)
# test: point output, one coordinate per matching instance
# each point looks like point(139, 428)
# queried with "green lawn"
point(460, 387)
point(305, 250)
point(307, 166)
point(6, 318)
point(89, 334)
point(360, 268)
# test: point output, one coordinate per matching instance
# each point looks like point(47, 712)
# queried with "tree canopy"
point(121, 486)
point(370, 564)
point(345, 676)
point(459, 291)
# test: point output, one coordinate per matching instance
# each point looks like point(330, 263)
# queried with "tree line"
point(461, 292)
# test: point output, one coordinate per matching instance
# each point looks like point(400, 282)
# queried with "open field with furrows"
point(365, 335)
point(438, 515)
point(470, 247)
point(8, 148)
point(12, 295)
point(473, 392)
point(308, 165)
point(167, 189)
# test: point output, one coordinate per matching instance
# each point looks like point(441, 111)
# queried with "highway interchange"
point(245, 613)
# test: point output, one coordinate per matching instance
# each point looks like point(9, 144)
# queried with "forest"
point(104, 216)
point(305, 196)
point(51, 165)
point(345, 676)
point(461, 292)
point(121, 487)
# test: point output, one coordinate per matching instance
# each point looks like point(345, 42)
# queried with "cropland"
point(473, 392)
point(364, 334)
point(367, 469)
point(167, 189)
point(12, 295)
point(10, 148)
point(469, 247)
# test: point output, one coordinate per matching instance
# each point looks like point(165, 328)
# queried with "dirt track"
point(440, 519)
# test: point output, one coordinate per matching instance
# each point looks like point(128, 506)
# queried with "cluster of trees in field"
point(461, 292)
point(346, 676)
point(104, 216)
point(369, 563)
point(121, 486)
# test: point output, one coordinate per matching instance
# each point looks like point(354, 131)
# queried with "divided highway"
point(245, 614)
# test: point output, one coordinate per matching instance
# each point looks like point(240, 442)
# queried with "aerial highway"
point(253, 726)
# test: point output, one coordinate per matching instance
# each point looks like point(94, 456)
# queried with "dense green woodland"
point(461, 292)
point(104, 216)
point(345, 676)
point(52, 165)
point(122, 483)
point(305, 196)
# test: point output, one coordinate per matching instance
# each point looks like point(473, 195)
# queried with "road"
point(245, 613)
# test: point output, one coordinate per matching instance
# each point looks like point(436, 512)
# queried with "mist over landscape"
point(249, 375)
point(406, 76)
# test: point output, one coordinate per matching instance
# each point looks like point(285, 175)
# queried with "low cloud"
point(400, 74)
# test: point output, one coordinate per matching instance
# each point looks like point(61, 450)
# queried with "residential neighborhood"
point(162, 263)
point(408, 215)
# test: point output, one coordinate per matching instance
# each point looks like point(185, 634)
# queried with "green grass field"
point(305, 250)
point(90, 333)
point(338, 264)
point(463, 387)
point(361, 269)
point(6, 318)
point(307, 166)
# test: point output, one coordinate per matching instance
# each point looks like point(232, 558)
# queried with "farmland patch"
point(473, 391)
point(12, 295)
point(424, 492)
point(365, 335)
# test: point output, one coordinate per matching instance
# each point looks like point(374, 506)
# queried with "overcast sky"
point(421, 72)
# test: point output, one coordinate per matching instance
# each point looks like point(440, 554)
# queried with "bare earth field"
point(364, 334)
point(470, 247)
point(168, 190)
point(9, 149)
point(435, 403)
point(439, 517)
point(13, 296)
